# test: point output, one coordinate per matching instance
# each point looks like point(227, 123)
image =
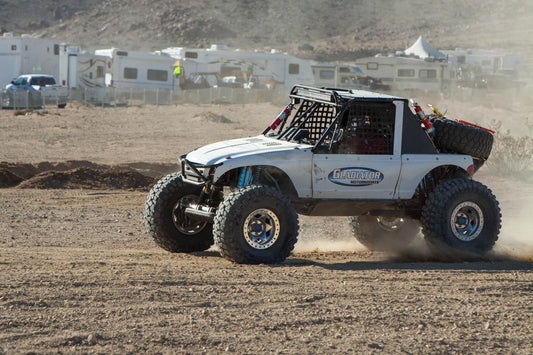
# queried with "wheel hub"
point(261, 228)
point(390, 224)
point(184, 223)
point(467, 221)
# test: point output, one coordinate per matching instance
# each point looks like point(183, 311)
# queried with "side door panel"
point(369, 166)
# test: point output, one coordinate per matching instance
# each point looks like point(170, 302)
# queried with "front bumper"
point(195, 173)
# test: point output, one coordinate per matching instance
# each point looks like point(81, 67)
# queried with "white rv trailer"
point(409, 73)
point(337, 75)
point(78, 69)
point(272, 68)
point(27, 55)
point(138, 70)
point(488, 62)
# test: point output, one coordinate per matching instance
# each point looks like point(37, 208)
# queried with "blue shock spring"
point(245, 178)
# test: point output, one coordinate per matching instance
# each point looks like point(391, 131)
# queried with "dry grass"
point(511, 154)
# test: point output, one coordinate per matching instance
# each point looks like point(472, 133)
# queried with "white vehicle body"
point(336, 175)
point(27, 55)
point(310, 172)
point(138, 70)
point(271, 68)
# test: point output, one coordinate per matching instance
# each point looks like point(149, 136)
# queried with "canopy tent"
point(423, 49)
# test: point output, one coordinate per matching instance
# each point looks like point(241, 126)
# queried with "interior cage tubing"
point(333, 123)
point(312, 109)
point(298, 117)
point(321, 118)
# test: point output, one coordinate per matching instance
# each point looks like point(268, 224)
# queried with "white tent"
point(423, 49)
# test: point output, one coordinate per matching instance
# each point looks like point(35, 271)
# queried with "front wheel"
point(256, 224)
point(462, 214)
point(381, 233)
point(166, 221)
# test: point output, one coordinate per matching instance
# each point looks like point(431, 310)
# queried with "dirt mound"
point(8, 179)
point(75, 174)
point(88, 178)
point(214, 117)
point(26, 171)
point(155, 170)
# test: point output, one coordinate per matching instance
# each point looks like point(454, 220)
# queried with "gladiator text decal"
point(355, 176)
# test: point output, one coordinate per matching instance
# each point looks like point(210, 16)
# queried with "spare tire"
point(456, 137)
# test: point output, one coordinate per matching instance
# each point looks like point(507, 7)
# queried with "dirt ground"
point(78, 273)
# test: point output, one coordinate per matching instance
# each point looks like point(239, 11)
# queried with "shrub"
point(511, 154)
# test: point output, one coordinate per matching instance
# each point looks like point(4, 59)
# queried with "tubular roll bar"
point(322, 95)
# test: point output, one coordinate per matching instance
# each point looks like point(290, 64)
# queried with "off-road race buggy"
point(343, 153)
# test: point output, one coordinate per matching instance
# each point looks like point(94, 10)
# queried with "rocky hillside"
point(336, 29)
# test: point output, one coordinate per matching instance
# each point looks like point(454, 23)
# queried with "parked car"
point(33, 91)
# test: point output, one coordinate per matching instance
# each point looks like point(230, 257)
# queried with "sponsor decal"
point(355, 176)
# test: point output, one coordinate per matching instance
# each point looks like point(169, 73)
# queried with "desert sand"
point(79, 274)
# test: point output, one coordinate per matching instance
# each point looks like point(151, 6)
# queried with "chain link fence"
point(105, 97)
point(30, 99)
point(115, 97)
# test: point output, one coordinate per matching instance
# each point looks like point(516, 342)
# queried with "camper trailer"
point(138, 70)
point(488, 62)
point(272, 69)
point(83, 72)
point(335, 75)
point(419, 68)
point(27, 55)
point(486, 69)
point(409, 73)
point(78, 69)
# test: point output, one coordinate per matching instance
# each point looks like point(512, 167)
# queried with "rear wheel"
point(166, 221)
point(256, 224)
point(380, 233)
point(462, 214)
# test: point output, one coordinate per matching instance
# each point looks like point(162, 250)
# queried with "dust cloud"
point(516, 236)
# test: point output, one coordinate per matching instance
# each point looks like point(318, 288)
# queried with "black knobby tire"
point(165, 221)
point(385, 234)
point(456, 137)
point(256, 224)
point(462, 214)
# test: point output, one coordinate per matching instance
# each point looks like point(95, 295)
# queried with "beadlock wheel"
point(461, 216)
point(184, 223)
point(261, 228)
point(384, 233)
point(255, 224)
point(467, 221)
point(166, 221)
point(390, 224)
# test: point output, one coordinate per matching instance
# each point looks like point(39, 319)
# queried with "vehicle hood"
point(236, 148)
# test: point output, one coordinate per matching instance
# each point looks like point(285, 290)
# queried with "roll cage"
point(319, 111)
